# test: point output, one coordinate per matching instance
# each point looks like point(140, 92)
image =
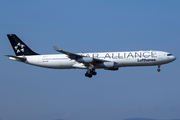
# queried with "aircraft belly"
point(135, 62)
point(58, 64)
point(54, 64)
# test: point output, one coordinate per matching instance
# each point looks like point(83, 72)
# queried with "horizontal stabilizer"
point(17, 58)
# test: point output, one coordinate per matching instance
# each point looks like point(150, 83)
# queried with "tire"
point(94, 73)
point(90, 76)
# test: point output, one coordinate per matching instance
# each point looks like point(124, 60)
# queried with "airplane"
point(90, 61)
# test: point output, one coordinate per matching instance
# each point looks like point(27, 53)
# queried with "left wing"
point(70, 55)
point(80, 58)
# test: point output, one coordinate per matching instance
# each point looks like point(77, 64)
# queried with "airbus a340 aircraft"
point(89, 61)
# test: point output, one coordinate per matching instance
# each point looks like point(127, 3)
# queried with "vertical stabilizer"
point(19, 47)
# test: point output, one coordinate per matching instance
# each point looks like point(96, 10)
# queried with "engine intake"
point(106, 65)
point(85, 60)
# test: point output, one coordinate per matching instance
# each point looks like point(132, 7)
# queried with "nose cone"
point(173, 58)
point(170, 57)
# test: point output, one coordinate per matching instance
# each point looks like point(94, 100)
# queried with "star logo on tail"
point(19, 48)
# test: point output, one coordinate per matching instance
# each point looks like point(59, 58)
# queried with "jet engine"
point(106, 65)
point(85, 60)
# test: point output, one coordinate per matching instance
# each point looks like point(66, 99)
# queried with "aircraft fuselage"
point(122, 59)
point(89, 61)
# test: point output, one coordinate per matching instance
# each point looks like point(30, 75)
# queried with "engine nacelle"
point(106, 65)
point(85, 60)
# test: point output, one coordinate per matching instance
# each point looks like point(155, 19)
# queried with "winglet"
point(59, 50)
point(70, 55)
point(55, 48)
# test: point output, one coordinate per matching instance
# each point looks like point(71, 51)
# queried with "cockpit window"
point(169, 54)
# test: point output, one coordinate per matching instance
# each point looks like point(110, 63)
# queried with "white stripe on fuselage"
point(122, 59)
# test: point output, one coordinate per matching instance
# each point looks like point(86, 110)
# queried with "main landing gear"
point(159, 68)
point(90, 73)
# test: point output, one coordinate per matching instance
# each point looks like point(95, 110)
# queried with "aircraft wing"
point(70, 55)
point(77, 56)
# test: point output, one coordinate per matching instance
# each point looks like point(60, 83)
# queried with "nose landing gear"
point(159, 68)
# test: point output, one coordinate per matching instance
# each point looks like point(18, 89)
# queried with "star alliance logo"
point(19, 48)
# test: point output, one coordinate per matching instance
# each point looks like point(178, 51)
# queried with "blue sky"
point(33, 93)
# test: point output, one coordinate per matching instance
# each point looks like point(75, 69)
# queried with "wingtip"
point(56, 48)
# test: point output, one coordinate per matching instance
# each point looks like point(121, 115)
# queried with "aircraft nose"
point(173, 58)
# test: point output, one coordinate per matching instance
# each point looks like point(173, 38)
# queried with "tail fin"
point(19, 47)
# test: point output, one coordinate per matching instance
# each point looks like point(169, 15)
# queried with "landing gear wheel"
point(86, 74)
point(159, 68)
point(89, 75)
point(90, 71)
point(94, 73)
